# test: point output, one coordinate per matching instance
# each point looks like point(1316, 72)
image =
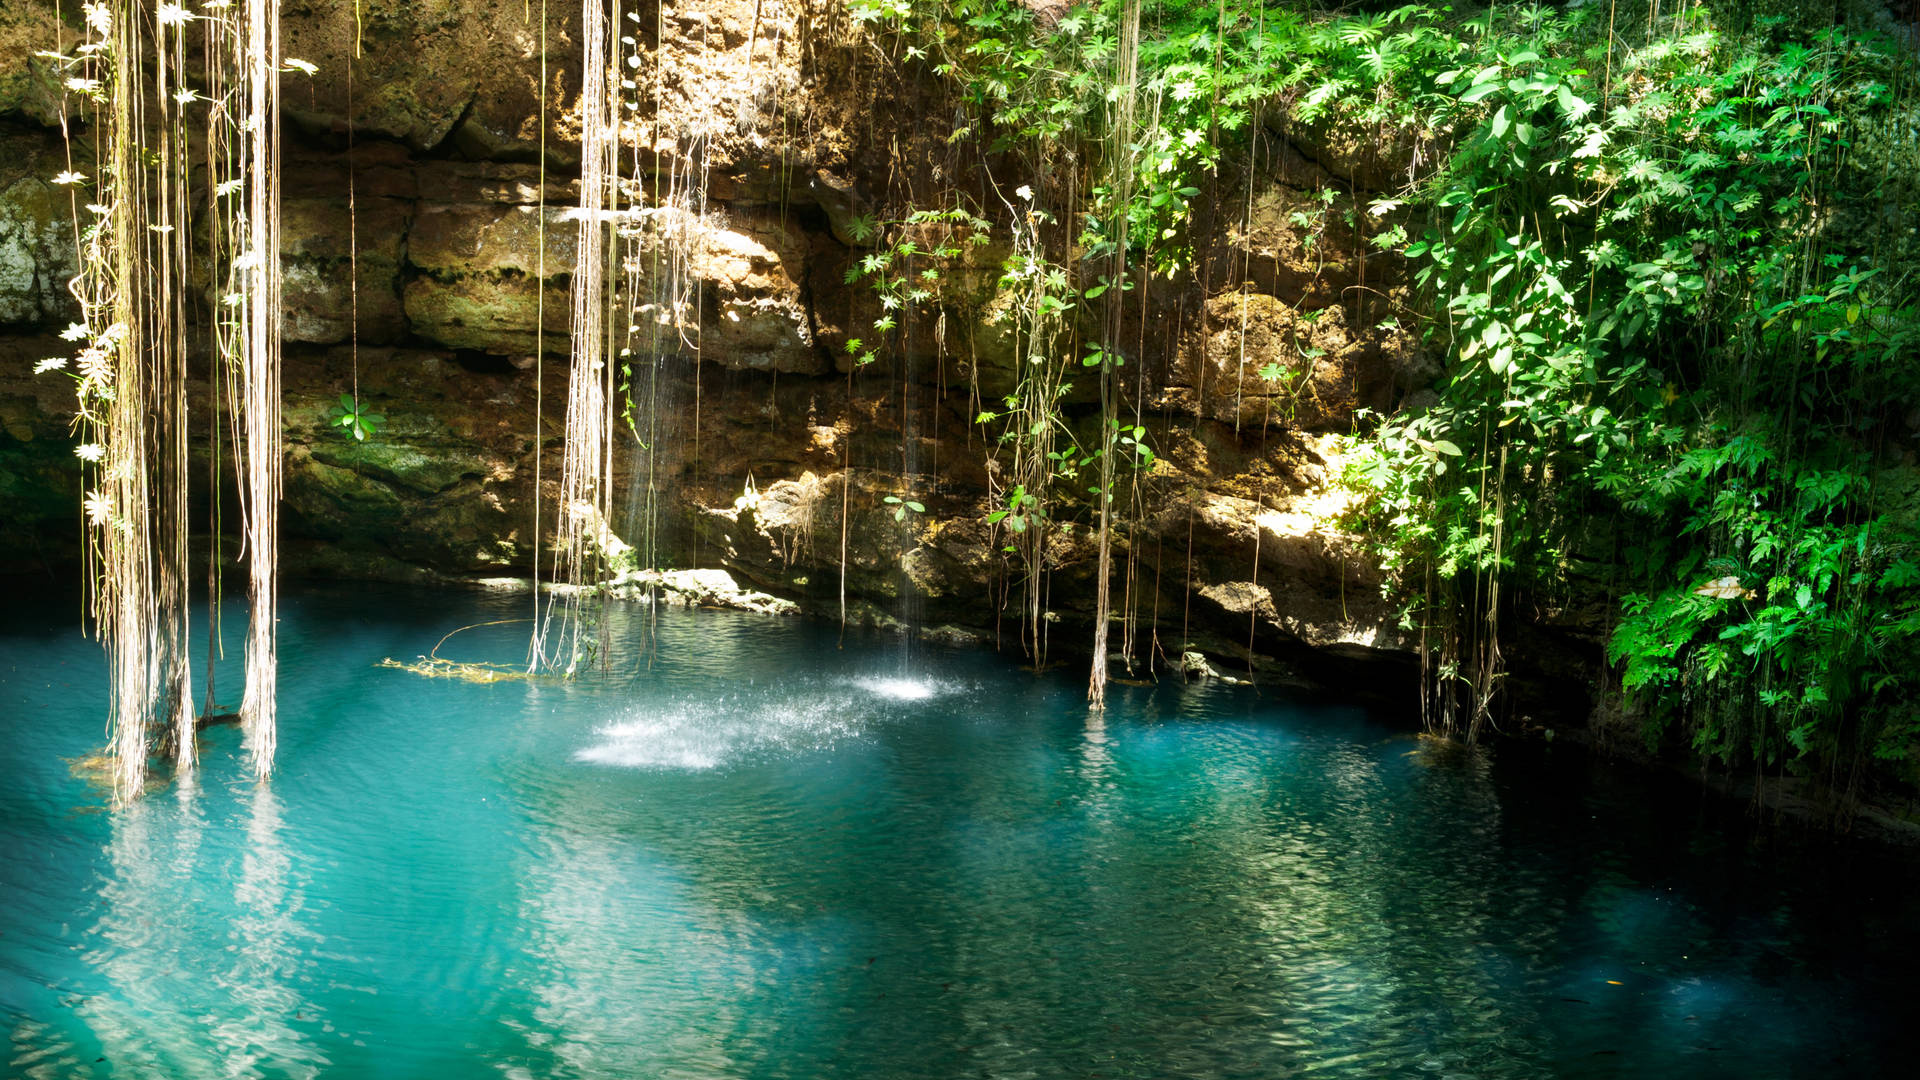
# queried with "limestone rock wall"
point(768, 455)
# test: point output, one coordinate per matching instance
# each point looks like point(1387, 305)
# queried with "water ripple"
point(758, 855)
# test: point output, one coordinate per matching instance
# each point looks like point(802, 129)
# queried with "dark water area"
point(748, 852)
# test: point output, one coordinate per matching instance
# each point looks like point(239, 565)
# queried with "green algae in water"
point(763, 856)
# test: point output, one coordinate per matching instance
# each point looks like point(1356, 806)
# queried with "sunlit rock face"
point(1260, 361)
point(36, 233)
point(35, 262)
point(432, 75)
point(753, 266)
point(30, 84)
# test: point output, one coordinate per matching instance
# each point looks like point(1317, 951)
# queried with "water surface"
point(761, 855)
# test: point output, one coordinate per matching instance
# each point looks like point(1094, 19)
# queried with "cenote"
point(764, 854)
point(786, 539)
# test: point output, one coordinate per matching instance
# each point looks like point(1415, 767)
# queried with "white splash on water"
point(897, 688)
point(652, 744)
point(693, 737)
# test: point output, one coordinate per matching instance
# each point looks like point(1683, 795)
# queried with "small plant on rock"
point(351, 415)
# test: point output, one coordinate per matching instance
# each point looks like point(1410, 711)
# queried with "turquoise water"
point(767, 856)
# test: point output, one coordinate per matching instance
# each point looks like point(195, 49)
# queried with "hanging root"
point(133, 289)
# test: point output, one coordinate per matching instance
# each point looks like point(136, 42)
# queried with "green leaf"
point(1571, 104)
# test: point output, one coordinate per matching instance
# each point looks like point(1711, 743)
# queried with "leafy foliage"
point(905, 269)
point(1652, 306)
point(1678, 343)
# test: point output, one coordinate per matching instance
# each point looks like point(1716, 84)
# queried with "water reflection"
point(620, 978)
point(1096, 756)
point(762, 858)
point(144, 1014)
point(272, 951)
point(42, 1051)
point(169, 1006)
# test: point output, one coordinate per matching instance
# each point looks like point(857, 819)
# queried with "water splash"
point(696, 736)
point(901, 688)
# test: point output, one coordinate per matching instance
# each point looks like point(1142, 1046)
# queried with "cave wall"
point(763, 434)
